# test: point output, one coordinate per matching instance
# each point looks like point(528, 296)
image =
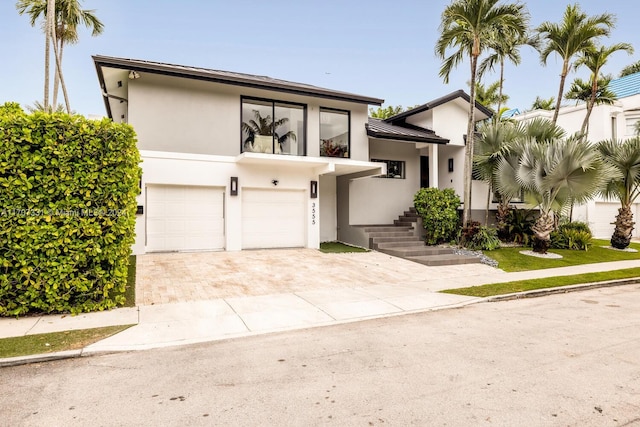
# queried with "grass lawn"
point(551, 282)
point(338, 247)
point(510, 259)
point(56, 341)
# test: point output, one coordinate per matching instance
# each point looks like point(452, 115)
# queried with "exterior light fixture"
point(313, 189)
point(233, 186)
point(134, 75)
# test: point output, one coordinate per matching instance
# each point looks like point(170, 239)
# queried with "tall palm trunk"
point(500, 89)
point(591, 102)
point(56, 79)
point(59, 73)
point(563, 76)
point(468, 149)
point(542, 229)
point(49, 23)
point(624, 227)
point(486, 214)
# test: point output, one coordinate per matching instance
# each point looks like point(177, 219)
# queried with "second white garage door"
point(181, 218)
point(273, 218)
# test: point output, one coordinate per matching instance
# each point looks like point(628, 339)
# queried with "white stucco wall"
point(328, 208)
point(381, 200)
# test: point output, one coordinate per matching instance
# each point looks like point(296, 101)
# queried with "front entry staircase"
point(402, 239)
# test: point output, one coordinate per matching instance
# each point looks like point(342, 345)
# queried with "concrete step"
point(387, 228)
point(401, 244)
point(412, 214)
point(379, 240)
point(445, 259)
point(401, 223)
point(416, 251)
point(391, 234)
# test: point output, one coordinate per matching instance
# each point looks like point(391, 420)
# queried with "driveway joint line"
point(237, 314)
point(309, 302)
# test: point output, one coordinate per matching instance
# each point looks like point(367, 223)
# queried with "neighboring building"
point(616, 121)
point(213, 181)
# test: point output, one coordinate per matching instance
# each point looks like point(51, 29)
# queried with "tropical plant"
point(543, 104)
point(38, 106)
point(438, 209)
point(468, 26)
point(623, 184)
point(572, 235)
point(575, 34)
point(479, 238)
point(266, 126)
point(553, 172)
point(518, 226)
point(67, 17)
point(505, 45)
point(592, 94)
point(630, 69)
point(594, 59)
point(492, 145)
point(386, 112)
point(490, 96)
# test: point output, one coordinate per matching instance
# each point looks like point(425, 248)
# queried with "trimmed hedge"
point(439, 211)
point(68, 188)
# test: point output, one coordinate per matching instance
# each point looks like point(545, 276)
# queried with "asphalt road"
point(562, 360)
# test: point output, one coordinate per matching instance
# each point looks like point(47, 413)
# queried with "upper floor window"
point(273, 127)
point(334, 132)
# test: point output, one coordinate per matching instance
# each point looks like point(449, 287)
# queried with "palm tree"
point(592, 94)
point(594, 60)
point(385, 113)
point(490, 96)
point(467, 26)
point(543, 104)
point(265, 126)
point(624, 184)
point(505, 45)
point(553, 172)
point(576, 33)
point(68, 16)
point(630, 69)
point(492, 146)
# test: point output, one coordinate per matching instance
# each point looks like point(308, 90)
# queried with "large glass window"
point(334, 133)
point(273, 127)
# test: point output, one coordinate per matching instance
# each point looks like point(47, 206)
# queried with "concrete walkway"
point(162, 325)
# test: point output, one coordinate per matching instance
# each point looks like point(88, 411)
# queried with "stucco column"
point(433, 166)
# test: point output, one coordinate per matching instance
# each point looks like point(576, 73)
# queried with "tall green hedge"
point(439, 211)
point(68, 189)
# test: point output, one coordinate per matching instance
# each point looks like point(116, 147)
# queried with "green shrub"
point(439, 211)
point(518, 227)
point(573, 235)
point(480, 238)
point(68, 189)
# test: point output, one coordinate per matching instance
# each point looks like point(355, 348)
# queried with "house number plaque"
point(313, 213)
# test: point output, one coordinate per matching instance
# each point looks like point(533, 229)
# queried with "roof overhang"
point(217, 76)
point(321, 165)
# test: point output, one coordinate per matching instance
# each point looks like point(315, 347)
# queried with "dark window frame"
point(403, 163)
point(273, 102)
point(337, 110)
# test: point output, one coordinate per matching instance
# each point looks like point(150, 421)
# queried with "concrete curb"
point(561, 290)
point(36, 358)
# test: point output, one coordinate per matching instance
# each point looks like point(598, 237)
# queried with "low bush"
point(479, 238)
point(67, 211)
point(518, 226)
point(438, 209)
point(573, 235)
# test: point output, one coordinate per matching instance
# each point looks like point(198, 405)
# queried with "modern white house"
point(214, 179)
point(616, 121)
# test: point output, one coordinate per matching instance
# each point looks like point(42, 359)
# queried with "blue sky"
point(376, 48)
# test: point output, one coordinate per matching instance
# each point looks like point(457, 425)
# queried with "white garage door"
point(181, 218)
point(273, 219)
point(605, 215)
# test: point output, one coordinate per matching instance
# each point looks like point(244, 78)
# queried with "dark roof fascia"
point(238, 80)
point(405, 138)
point(103, 88)
point(435, 103)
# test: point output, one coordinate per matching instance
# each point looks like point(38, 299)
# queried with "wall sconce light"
point(450, 165)
point(314, 189)
point(134, 75)
point(233, 186)
point(274, 181)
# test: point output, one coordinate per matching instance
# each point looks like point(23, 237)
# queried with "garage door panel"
point(181, 218)
point(273, 219)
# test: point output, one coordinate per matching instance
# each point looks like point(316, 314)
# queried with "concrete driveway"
point(180, 277)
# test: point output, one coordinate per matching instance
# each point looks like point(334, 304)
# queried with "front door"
point(424, 171)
